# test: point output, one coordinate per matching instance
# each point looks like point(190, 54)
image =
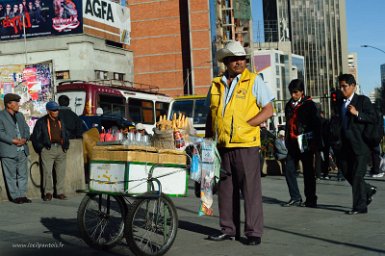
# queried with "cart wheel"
point(101, 220)
point(151, 226)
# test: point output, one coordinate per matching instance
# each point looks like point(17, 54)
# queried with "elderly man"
point(14, 134)
point(239, 102)
point(51, 141)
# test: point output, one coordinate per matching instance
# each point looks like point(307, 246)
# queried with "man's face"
point(236, 64)
point(347, 89)
point(14, 106)
point(53, 113)
point(296, 94)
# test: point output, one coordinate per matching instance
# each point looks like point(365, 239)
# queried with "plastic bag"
point(210, 170)
point(195, 168)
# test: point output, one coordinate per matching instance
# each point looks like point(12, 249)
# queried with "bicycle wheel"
point(101, 220)
point(151, 226)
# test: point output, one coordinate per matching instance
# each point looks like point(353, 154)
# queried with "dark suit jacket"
point(352, 136)
point(8, 132)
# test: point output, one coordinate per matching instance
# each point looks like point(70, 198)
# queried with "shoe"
point(309, 204)
point(17, 200)
point(378, 175)
point(372, 192)
point(292, 203)
point(253, 240)
point(221, 237)
point(61, 197)
point(47, 197)
point(26, 200)
point(354, 212)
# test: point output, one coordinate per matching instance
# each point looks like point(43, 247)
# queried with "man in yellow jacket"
point(239, 102)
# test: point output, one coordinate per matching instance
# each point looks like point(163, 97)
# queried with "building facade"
point(83, 39)
point(317, 31)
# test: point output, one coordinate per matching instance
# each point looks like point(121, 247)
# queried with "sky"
point(365, 26)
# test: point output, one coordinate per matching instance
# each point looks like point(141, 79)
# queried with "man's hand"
point(352, 109)
point(19, 142)
point(266, 112)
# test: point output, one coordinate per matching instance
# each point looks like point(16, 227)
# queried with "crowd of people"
point(240, 102)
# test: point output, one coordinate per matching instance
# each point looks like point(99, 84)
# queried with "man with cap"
point(239, 102)
point(50, 140)
point(14, 134)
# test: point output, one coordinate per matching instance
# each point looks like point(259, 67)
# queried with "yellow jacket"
point(230, 123)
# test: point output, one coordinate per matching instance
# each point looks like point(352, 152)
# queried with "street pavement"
point(325, 230)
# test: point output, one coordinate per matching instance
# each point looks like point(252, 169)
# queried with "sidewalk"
point(288, 231)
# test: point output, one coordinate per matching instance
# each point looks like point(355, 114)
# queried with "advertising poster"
point(33, 84)
point(39, 18)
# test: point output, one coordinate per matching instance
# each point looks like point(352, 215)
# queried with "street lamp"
point(369, 46)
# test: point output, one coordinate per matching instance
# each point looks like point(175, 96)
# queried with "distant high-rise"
point(317, 31)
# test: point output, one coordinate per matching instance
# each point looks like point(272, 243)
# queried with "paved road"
point(288, 231)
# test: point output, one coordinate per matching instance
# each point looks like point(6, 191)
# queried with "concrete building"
point(353, 68)
point(90, 43)
point(317, 31)
point(278, 68)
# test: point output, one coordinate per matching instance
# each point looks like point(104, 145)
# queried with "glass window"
point(141, 111)
point(184, 107)
point(112, 105)
point(201, 111)
point(161, 108)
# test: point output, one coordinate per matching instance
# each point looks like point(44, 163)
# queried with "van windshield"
point(192, 108)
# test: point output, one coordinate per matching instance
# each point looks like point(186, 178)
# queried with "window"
point(161, 108)
point(100, 74)
point(141, 111)
point(60, 75)
point(112, 105)
point(119, 76)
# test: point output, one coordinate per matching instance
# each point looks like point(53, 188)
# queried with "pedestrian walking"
point(303, 135)
point(356, 111)
point(239, 102)
point(14, 134)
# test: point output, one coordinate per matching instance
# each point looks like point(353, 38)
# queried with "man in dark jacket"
point(303, 134)
point(51, 141)
point(71, 120)
point(355, 111)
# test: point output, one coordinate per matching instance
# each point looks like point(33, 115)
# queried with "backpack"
point(374, 132)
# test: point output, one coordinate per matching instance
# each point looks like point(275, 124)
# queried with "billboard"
point(106, 19)
point(34, 85)
point(34, 18)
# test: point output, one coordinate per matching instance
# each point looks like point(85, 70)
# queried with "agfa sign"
point(100, 9)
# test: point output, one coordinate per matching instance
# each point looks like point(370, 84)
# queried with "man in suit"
point(356, 111)
point(14, 134)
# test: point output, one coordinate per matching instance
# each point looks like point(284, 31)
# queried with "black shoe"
point(292, 203)
point(309, 204)
point(354, 212)
point(253, 240)
point(26, 200)
point(372, 192)
point(47, 197)
point(17, 200)
point(221, 237)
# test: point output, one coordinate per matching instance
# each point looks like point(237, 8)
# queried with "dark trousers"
point(308, 175)
point(240, 172)
point(354, 169)
point(376, 160)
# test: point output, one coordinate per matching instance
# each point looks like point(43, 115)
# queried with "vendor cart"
point(129, 196)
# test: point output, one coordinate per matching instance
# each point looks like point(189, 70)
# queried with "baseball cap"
point(52, 106)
